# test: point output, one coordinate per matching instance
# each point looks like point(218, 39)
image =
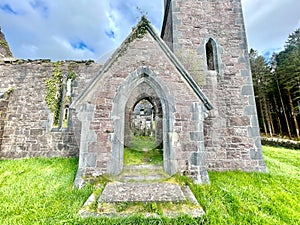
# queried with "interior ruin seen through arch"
point(143, 120)
point(142, 84)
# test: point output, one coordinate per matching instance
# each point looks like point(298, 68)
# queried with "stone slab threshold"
point(174, 200)
point(142, 173)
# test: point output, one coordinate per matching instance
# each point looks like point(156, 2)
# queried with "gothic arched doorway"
point(143, 126)
point(142, 85)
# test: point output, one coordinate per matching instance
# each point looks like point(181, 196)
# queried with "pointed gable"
point(141, 31)
point(4, 47)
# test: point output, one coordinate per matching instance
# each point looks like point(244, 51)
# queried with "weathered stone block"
point(247, 90)
point(36, 132)
point(196, 136)
point(255, 154)
point(250, 110)
point(239, 121)
point(253, 132)
point(90, 159)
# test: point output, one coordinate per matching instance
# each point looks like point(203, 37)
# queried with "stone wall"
point(26, 124)
point(232, 138)
point(3, 109)
point(140, 63)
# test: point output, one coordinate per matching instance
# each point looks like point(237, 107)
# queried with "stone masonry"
point(210, 125)
point(232, 139)
point(27, 130)
point(142, 62)
point(4, 99)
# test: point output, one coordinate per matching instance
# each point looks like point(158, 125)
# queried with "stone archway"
point(140, 84)
point(144, 92)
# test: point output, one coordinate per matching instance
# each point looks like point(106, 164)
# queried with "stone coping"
point(12, 60)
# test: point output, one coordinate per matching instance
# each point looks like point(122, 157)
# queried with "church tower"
point(208, 37)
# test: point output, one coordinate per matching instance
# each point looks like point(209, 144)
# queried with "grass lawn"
point(143, 151)
point(40, 191)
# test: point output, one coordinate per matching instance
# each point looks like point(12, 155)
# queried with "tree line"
point(277, 89)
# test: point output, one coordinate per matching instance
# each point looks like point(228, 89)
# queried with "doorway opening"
point(142, 84)
point(143, 139)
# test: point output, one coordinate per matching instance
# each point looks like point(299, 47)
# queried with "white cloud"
point(54, 26)
point(48, 29)
point(269, 23)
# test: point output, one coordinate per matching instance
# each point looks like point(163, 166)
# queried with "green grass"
point(143, 151)
point(143, 142)
point(135, 157)
point(255, 198)
point(40, 191)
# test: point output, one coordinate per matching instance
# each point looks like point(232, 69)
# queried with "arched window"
point(211, 59)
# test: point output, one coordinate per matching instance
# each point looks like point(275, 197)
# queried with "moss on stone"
point(4, 45)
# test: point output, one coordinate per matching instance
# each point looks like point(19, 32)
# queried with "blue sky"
point(89, 29)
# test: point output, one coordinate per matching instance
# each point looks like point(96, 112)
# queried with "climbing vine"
point(139, 32)
point(53, 94)
point(4, 45)
point(56, 85)
point(141, 29)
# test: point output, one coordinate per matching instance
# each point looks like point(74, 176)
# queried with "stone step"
point(142, 173)
point(138, 178)
point(126, 199)
point(142, 192)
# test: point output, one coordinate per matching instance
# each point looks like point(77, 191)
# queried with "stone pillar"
point(158, 131)
point(128, 134)
point(86, 159)
point(197, 160)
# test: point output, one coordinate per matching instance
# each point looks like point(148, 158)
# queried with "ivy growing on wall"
point(56, 87)
point(53, 94)
point(142, 27)
point(139, 32)
point(4, 44)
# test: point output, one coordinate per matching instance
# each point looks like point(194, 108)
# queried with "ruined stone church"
point(195, 75)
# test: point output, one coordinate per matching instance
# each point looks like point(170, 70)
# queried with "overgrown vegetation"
point(56, 87)
point(277, 89)
point(53, 95)
point(141, 29)
point(40, 191)
point(135, 157)
point(255, 198)
point(143, 143)
point(4, 44)
point(139, 32)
